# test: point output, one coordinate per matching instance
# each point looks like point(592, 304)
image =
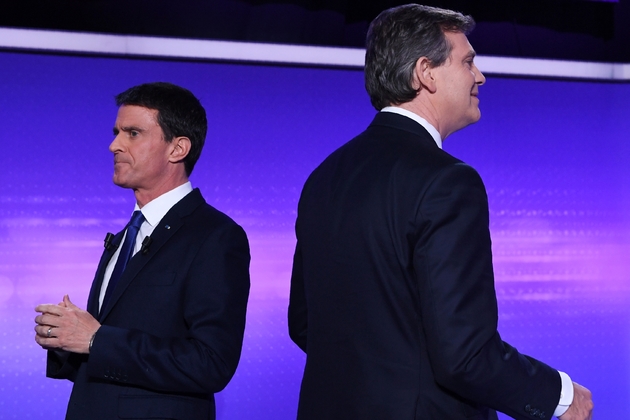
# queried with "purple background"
point(554, 156)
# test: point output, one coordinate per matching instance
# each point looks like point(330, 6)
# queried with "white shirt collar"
point(155, 210)
point(432, 130)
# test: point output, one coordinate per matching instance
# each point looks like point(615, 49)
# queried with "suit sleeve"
point(453, 266)
point(297, 302)
point(204, 359)
point(62, 364)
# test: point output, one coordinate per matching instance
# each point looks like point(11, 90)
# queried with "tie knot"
point(136, 219)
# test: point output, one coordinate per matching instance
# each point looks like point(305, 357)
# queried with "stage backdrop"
point(554, 156)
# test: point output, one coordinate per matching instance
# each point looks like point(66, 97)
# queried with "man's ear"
point(424, 75)
point(180, 149)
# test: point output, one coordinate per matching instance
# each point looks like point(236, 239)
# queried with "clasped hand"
point(65, 327)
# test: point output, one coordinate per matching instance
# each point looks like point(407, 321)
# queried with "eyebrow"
point(127, 129)
point(471, 54)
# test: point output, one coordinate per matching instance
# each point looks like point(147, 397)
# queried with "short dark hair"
point(179, 114)
point(397, 38)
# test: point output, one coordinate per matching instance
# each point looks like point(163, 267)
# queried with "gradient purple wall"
point(554, 156)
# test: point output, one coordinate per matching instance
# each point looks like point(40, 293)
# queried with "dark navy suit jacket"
point(172, 332)
point(392, 291)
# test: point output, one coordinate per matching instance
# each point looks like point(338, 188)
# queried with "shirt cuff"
point(566, 395)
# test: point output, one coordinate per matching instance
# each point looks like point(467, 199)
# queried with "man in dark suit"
point(392, 290)
point(166, 312)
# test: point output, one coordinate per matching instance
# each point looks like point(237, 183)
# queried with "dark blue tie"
point(126, 253)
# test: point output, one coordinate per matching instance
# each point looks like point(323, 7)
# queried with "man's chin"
point(476, 116)
point(119, 182)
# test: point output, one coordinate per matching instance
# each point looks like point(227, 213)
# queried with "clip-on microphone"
point(108, 242)
point(146, 243)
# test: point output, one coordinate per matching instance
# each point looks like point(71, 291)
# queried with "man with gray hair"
point(392, 290)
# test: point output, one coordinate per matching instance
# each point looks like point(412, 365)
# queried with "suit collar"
point(156, 209)
point(417, 118)
point(400, 122)
point(168, 226)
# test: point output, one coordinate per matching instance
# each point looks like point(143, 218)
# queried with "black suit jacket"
point(392, 291)
point(172, 332)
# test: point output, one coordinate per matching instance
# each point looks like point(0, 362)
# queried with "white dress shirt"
point(153, 212)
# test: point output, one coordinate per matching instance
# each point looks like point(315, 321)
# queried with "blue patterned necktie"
point(125, 253)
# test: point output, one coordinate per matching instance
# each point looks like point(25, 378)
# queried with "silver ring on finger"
point(48, 332)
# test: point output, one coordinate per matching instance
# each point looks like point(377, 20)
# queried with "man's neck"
point(145, 196)
point(423, 111)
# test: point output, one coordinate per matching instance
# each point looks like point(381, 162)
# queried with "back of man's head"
point(396, 39)
point(180, 114)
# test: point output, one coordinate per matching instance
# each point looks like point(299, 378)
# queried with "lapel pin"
point(167, 226)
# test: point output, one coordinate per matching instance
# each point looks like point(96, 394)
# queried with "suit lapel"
point(95, 290)
point(168, 226)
